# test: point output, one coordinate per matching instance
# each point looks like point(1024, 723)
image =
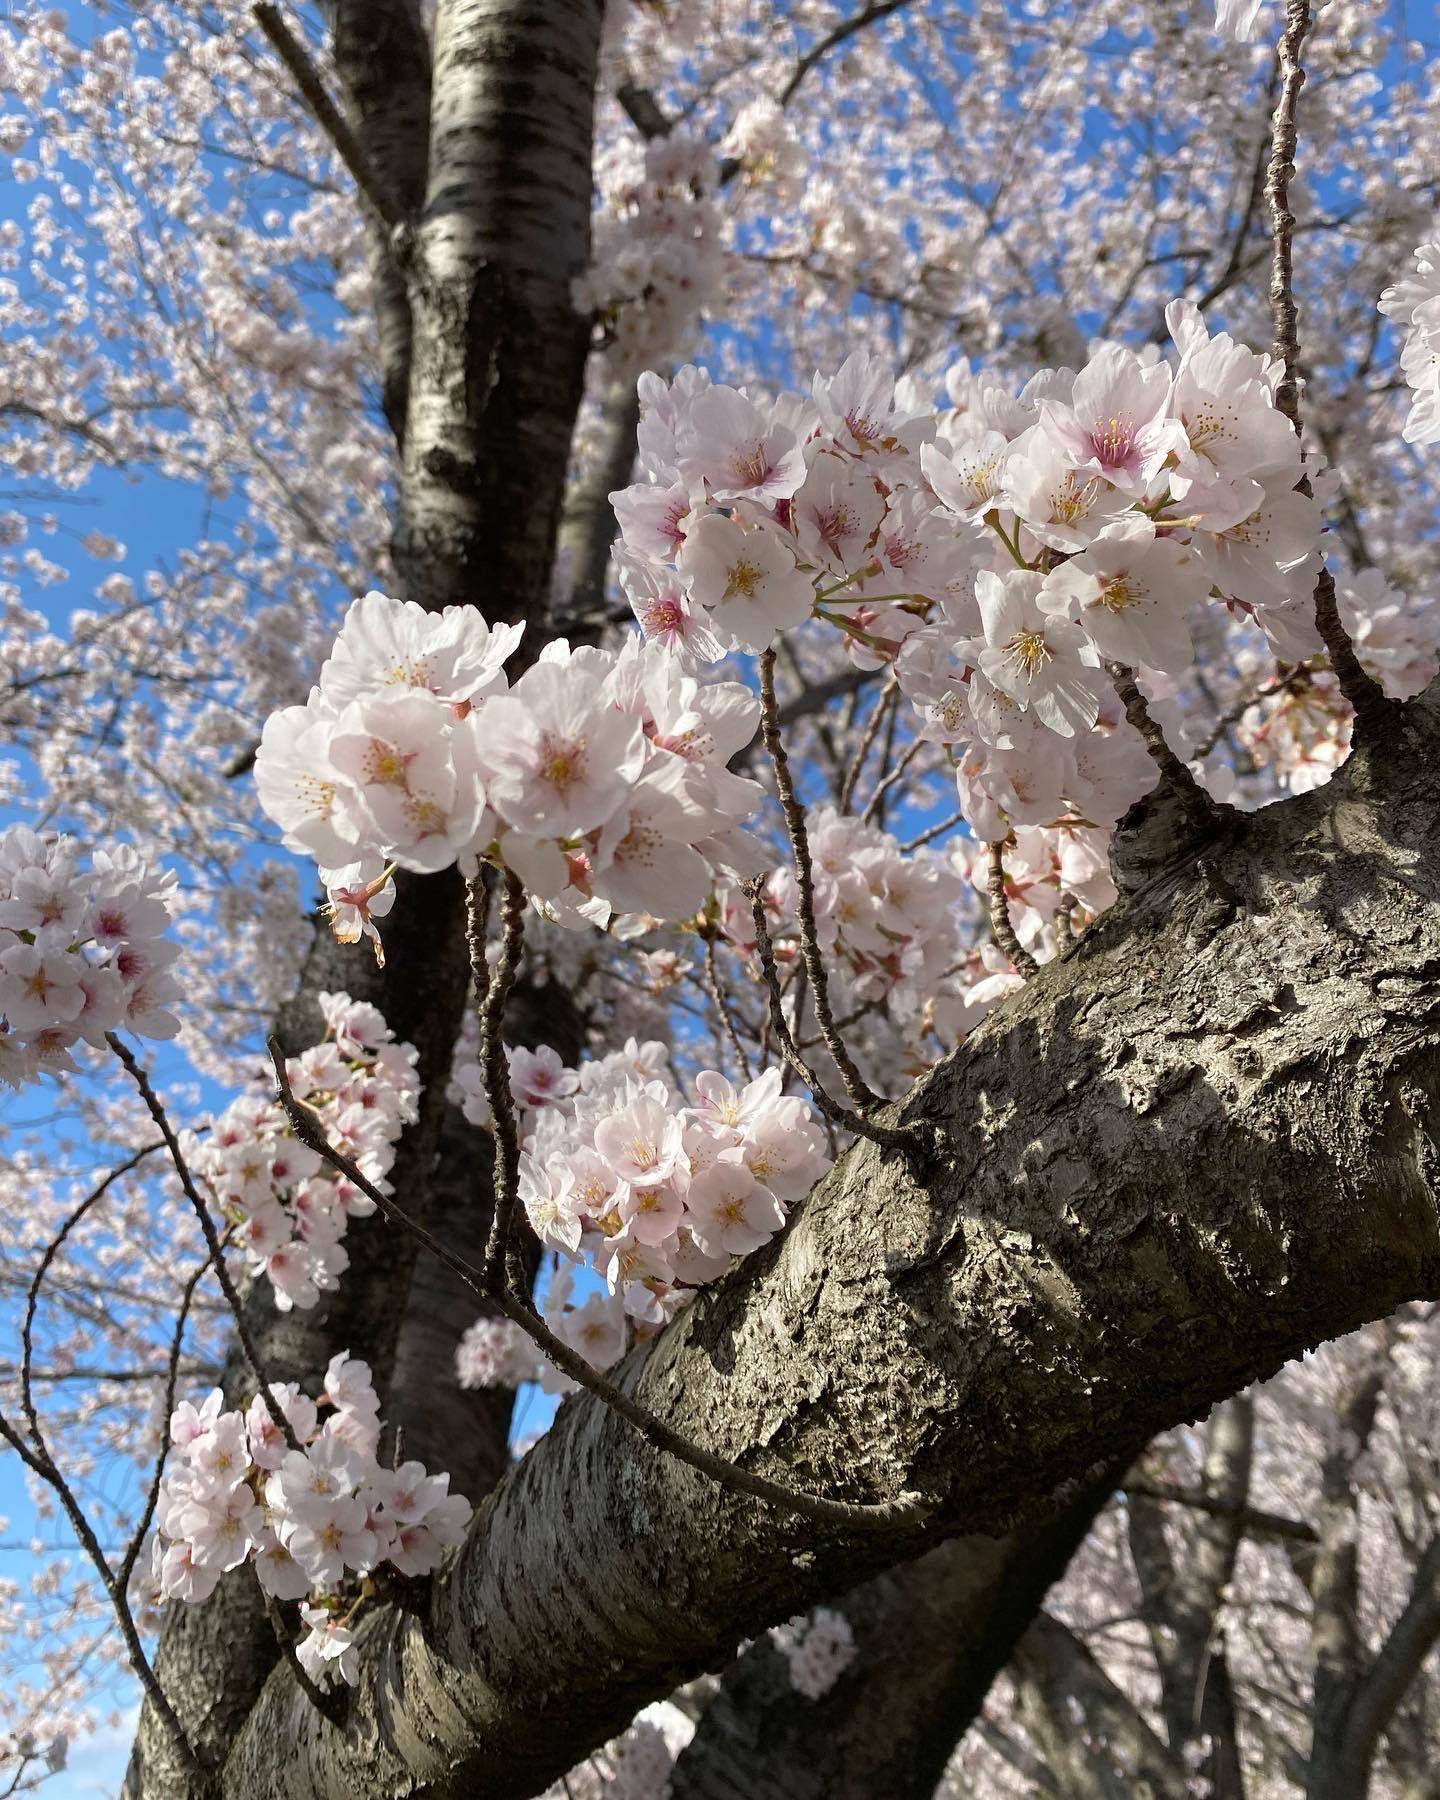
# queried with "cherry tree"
point(828, 612)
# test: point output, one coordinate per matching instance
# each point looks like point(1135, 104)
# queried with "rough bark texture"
point(1196, 1146)
point(497, 348)
point(930, 1638)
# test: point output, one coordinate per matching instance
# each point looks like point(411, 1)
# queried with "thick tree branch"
point(1091, 1734)
point(1175, 1160)
point(382, 55)
point(1385, 1683)
point(325, 112)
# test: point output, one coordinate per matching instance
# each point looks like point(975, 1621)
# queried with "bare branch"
point(212, 1240)
point(862, 1097)
point(868, 14)
point(1000, 922)
point(325, 112)
point(1253, 1519)
point(1361, 689)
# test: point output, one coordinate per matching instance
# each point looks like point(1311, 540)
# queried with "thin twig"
point(1173, 773)
point(876, 9)
point(889, 696)
point(1364, 693)
point(862, 1096)
point(172, 1373)
point(325, 112)
point(32, 1298)
point(40, 1463)
point(212, 1240)
point(877, 799)
point(1234, 714)
point(886, 1515)
point(892, 1137)
point(494, 1068)
point(934, 831)
point(722, 1005)
point(1000, 921)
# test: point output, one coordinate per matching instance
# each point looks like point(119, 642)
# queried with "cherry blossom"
point(1415, 304)
point(287, 1210)
point(314, 1520)
point(81, 953)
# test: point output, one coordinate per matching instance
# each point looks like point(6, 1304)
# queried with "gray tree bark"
point(497, 347)
point(382, 56)
point(587, 525)
point(1196, 1146)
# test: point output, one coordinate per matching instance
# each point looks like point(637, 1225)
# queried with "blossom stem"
point(1359, 687)
point(992, 519)
point(861, 1095)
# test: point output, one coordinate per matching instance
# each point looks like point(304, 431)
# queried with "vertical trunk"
point(1089, 1733)
point(382, 56)
point(498, 349)
point(587, 526)
point(496, 359)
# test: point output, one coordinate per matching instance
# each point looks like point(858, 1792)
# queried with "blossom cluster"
point(998, 555)
point(313, 1519)
point(599, 778)
point(286, 1208)
point(884, 917)
point(656, 258)
point(82, 951)
point(619, 1172)
point(1415, 304)
point(819, 1647)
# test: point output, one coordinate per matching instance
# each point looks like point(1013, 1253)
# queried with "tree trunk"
point(1196, 1146)
point(498, 349)
point(496, 364)
point(1090, 1735)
